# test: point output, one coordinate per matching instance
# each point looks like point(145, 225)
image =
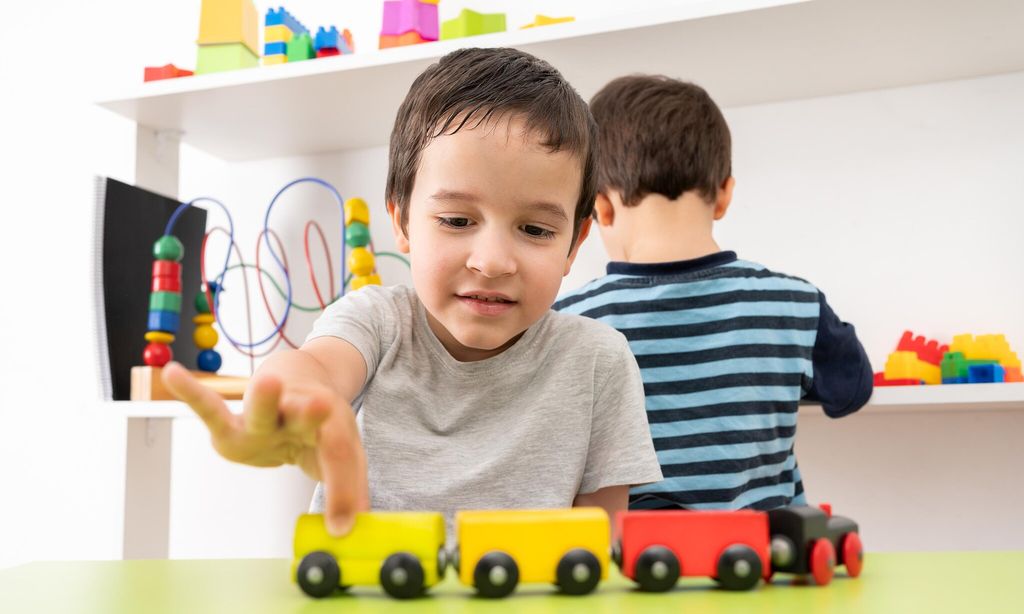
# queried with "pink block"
point(401, 16)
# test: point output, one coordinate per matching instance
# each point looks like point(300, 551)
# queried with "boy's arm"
point(295, 411)
point(842, 380)
point(612, 498)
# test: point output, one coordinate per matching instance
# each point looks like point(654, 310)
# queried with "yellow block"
point(356, 211)
point(429, 1)
point(906, 365)
point(270, 60)
point(229, 21)
point(205, 337)
point(365, 280)
point(360, 262)
point(544, 20)
point(157, 336)
point(374, 537)
point(203, 318)
point(277, 34)
point(985, 347)
point(535, 539)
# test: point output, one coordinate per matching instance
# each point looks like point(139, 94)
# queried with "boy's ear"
point(603, 210)
point(401, 240)
point(584, 232)
point(724, 197)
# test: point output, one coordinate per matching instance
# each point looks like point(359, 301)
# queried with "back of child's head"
point(659, 135)
point(471, 87)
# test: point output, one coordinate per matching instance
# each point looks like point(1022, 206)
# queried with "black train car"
point(810, 540)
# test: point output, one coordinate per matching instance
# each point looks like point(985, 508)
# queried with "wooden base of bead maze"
point(147, 385)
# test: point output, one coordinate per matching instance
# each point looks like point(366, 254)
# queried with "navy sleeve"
point(842, 380)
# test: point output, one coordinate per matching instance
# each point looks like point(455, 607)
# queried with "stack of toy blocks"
point(915, 361)
point(471, 23)
point(280, 28)
point(331, 42)
point(357, 236)
point(408, 22)
point(164, 301)
point(228, 36)
point(544, 20)
point(979, 360)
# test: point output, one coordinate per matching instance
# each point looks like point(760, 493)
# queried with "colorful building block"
point(906, 365)
point(218, 58)
point(270, 60)
point(928, 351)
point(332, 39)
point(985, 374)
point(300, 48)
point(401, 40)
point(229, 21)
point(880, 380)
point(471, 23)
point(167, 71)
point(276, 48)
point(277, 34)
point(281, 17)
point(401, 16)
point(985, 347)
point(165, 321)
point(544, 20)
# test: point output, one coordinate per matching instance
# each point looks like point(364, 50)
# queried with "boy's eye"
point(453, 222)
point(537, 231)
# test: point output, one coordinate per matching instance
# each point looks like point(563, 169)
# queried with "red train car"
point(656, 548)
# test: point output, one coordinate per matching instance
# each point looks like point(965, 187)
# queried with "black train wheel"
point(739, 568)
point(496, 575)
point(401, 576)
point(656, 570)
point(578, 572)
point(318, 574)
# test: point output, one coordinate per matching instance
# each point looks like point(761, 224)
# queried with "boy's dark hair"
point(471, 86)
point(660, 136)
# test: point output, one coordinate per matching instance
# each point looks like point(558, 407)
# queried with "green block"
point(357, 235)
point(471, 23)
point(230, 56)
point(165, 301)
point(300, 48)
point(955, 365)
point(168, 247)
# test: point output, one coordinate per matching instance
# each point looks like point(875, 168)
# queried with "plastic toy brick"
point(409, 38)
point(880, 380)
point(167, 71)
point(499, 549)
point(928, 351)
point(327, 39)
point(985, 347)
point(401, 16)
point(403, 552)
point(277, 34)
point(276, 48)
point(281, 17)
point(229, 21)
point(955, 367)
point(164, 321)
point(985, 374)
point(906, 365)
point(300, 48)
point(656, 548)
point(812, 540)
point(544, 20)
point(327, 52)
point(1013, 374)
point(471, 23)
point(219, 58)
point(270, 60)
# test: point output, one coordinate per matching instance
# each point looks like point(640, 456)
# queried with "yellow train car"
point(403, 552)
point(498, 549)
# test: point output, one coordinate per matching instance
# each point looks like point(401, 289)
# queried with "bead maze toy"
point(496, 550)
point(967, 360)
point(166, 300)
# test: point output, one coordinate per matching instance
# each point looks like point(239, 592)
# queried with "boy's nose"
point(492, 256)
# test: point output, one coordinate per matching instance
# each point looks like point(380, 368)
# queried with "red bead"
point(166, 268)
point(157, 354)
point(166, 284)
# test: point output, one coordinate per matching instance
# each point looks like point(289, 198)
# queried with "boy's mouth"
point(486, 303)
point(489, 297)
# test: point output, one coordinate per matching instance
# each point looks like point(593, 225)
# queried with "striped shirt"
point(727, 349)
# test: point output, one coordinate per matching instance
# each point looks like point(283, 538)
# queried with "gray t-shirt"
point(559, 413)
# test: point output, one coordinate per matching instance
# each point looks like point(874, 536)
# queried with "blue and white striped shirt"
point(727, 349)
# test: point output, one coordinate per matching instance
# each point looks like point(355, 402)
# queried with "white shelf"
point(743, 51)
point(924, 399)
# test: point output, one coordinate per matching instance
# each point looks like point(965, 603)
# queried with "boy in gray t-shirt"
point(470, 392)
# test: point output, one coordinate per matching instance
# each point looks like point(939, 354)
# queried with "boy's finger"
point(343, 469)
point(303, 414)
point(260, 413)
point(206, 404)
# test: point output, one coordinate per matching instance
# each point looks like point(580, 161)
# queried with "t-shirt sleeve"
point(365, 318)
point(621, 451)
point(842, 380)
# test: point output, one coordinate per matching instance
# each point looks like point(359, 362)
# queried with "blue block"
point(281, 17)
point(166, 321)
point(954, 380)
point(328, 39)
point(275, 48)
point(209, 361)
point(985, 374)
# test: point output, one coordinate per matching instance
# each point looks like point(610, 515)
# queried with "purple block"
point(401, 16)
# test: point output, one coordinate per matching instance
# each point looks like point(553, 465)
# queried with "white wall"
point(926, 178)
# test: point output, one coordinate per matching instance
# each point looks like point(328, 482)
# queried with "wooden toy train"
point(404, 552)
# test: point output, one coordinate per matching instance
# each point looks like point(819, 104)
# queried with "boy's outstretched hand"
point(305, 425)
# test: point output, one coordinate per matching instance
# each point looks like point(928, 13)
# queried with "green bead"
point(168, 247)
point(202, 306)
point(357, 234)
point(165, 301)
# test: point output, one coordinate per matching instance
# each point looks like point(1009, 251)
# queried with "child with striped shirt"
point(726, 347)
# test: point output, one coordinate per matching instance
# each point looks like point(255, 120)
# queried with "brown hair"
point(468, 87)
point(660, 136)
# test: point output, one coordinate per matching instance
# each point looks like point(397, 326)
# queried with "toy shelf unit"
point(744, 51)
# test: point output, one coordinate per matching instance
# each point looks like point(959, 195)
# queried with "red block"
point(881, 381)
point(928, 351)
point(327, 52)
point(166, 268)
point(169, 71)
point(166, 284)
